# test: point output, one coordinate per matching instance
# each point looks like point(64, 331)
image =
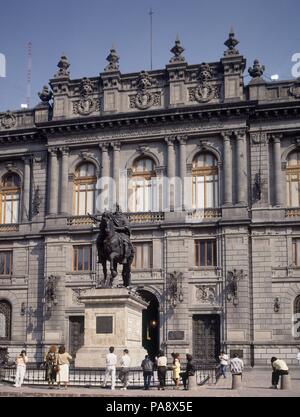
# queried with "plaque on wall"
point(176, 335)
point(104, 324)
point(240, 352)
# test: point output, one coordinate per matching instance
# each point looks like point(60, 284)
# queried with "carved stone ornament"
point(63, 66)
point(86, 105)
point(86, 87)
point(8, 120)
point(36, 203)
point(177, 51)
point(259, 138)
point(76, 293)
point(46, 94)
point(257, 70)
point(205, 91)
point(144, 99)
point(294, 91)
point(205, 294)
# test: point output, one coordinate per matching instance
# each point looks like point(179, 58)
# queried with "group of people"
point(56, 365)
point(279, 367)
point(148, 367)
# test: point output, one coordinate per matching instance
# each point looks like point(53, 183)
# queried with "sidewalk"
point(256, 383)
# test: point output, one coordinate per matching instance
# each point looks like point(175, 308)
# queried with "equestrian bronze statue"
point(114, 245)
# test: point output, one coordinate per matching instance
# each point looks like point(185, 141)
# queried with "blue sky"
point(85, 31)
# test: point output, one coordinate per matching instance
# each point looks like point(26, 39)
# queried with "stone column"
point(26, 189)
point(116, 147)
point(53, 182)
point(104, 195)
point(64, 181)
point(171, 170)
point(277, 169)
point(227, 168)
point(182, 167)
point(241, 162)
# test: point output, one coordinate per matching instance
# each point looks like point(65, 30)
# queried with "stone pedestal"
point(285, 382)
point(113, 317)
point(192, 382)
point(236, 381)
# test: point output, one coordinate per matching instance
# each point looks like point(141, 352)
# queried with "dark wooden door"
point(76, 333)
point(206, 338)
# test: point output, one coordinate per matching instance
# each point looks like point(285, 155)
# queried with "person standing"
point(124, 373)
point(279, 368)
point(189, 371)
point(147, 366)
point(111, 362)
point(161, 369)
point(21, 362)
point(50, 361)
point(176, 369)
point(236, 365)
point(223, 363)
point(63, 364)
point(298, 356)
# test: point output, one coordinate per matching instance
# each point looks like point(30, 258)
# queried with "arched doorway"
point(150, 326)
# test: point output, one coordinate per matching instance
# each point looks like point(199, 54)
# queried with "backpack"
point(148, 366)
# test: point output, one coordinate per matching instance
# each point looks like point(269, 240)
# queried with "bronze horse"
point(110, 248)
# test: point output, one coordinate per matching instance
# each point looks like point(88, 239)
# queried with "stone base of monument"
point(112, 317)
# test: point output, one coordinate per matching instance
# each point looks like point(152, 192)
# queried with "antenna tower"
point(29, 72)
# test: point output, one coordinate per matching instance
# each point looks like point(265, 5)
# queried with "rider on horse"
point(122, 226)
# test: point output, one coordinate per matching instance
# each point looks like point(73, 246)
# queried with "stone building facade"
point(216, 249)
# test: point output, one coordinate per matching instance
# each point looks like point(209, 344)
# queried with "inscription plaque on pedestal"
point(176, 335)
point(104, 324)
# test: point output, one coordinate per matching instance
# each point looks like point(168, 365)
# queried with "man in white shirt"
point(124, 373)
point(279, 368)
point(111, 362)
point(236, 365)
point(223, 363)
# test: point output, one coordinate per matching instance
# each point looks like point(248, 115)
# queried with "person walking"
point(21, 362)
point(176, 369)
point(50, 361)
point(161, 369)
point(224, 359)
point(124, 373)
point(236, 365)
point(111, 362)
point(147, 366)
point(189, 371)
point(279, 368)
point(63, 364)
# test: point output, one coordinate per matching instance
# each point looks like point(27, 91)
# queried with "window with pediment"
point(84, 189)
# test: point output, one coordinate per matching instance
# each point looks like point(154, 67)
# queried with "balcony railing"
point(203, 214)
point(80, 221)
point(292, 212)
point(9, 228)
point(146, 217)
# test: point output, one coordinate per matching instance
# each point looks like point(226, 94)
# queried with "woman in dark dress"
point(51, 366)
